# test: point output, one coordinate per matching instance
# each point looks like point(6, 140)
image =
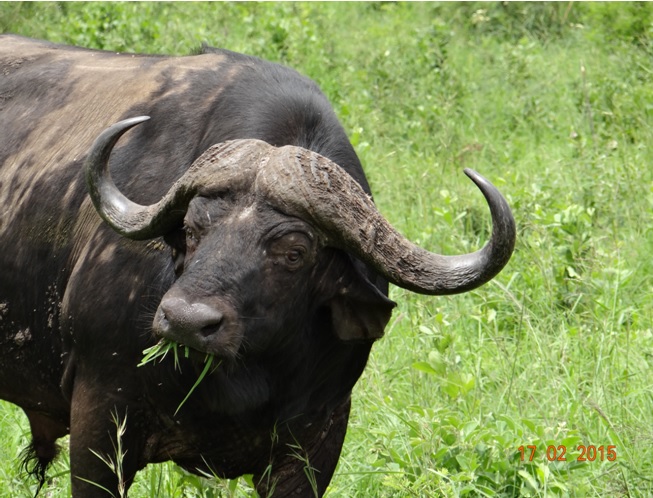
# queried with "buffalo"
point(235, 224)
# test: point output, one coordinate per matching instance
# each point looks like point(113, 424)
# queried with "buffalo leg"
point(103, 456)
point(306, 472)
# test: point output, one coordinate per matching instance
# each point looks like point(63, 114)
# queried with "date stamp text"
point(589, 453)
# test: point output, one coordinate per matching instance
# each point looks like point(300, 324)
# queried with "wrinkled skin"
point(238, 260)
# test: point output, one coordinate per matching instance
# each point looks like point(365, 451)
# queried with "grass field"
point(553, 103)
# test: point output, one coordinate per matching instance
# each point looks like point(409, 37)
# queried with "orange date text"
point(589, 453)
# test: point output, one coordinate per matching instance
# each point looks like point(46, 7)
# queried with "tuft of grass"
point(160, 350)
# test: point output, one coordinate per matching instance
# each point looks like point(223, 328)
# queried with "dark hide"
point(77, 301)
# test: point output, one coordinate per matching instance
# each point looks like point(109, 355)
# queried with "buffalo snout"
point(196, 317)
point(209, 326)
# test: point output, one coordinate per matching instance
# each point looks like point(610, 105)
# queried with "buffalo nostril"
point(206, 319)
point(207, 330)
point(162, 320)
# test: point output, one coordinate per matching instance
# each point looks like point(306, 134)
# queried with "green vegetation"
point(553, 103)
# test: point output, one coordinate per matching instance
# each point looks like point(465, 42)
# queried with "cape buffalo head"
point(268, 232)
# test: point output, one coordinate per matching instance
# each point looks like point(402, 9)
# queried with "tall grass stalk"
point(114, 461)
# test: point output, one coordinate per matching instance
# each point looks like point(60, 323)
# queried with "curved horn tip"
point(110, 135)
point(129, 122)
point(107, 199)
point(504, 229)
point(491, 193)
point(477, 178)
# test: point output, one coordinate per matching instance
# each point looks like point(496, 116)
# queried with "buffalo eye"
point(292, 250)
point(295, 255)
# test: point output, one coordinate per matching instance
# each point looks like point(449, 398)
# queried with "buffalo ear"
point(359, 311)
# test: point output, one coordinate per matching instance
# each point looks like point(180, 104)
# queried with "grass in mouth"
point(161, 349)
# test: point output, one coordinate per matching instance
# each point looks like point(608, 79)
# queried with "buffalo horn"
point(312, 187)
point(305, 184)
point(222, 166)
